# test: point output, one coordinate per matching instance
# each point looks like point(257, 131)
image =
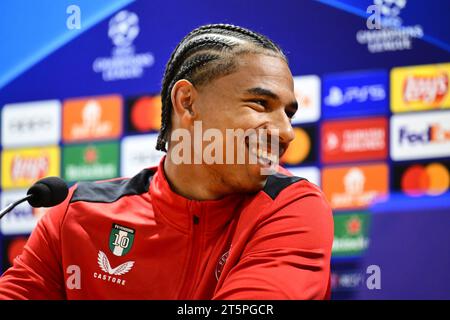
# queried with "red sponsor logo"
point(30, 168)
point(427, 89)
point(354, 140)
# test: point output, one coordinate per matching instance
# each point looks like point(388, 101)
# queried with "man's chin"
point(256, 180)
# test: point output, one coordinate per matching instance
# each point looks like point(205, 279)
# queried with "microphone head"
point(48, 192)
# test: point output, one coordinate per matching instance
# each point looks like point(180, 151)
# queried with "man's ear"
point(183, 96)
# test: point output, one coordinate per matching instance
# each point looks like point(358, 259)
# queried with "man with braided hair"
point(194, 229)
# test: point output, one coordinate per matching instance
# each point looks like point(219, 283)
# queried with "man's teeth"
point(265, 155)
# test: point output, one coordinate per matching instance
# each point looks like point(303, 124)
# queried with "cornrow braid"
point(202, 55)
point(256, 37)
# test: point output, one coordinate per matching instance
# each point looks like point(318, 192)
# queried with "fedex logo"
point(21, 219)
point(356, 93)
point(433, 133)
point(420, 136)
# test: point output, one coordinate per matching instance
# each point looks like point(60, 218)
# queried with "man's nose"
point(282, 124)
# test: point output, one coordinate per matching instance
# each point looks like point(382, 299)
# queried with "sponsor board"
point(95, 161)
point(22, 167)
point(420, 135)
point(301, 150)
point(419, 179)
point(138, 152)
point(355, 187)
point(354, 94)
point(92, 118)
point(350, 234)
point(307, 93)
point(417, 88)
point(143, 114)
point(31, 124)
point(312, 174)
point(347, 280)
point(354, 140)
point(21, 219)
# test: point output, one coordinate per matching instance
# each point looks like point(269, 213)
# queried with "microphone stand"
point(13, 205)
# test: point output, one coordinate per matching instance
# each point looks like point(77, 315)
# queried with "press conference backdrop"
point(79, 85)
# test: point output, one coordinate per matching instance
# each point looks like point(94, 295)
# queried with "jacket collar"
point(180, 211)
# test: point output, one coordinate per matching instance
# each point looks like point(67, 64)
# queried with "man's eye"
point(260, 102)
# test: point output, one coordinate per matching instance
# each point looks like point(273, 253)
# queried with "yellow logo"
point(22, 167)
point(420, 88)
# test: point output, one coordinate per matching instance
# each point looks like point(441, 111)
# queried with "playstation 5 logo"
point(355, 93)
point(337, 96)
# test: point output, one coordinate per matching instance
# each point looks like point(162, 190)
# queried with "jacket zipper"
point(191, 269)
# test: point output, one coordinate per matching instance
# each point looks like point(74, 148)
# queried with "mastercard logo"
point(298, 149)
point(432, 179)
point(146, 114)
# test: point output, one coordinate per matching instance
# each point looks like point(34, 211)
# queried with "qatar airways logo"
point(426, 89)
point(34, 123)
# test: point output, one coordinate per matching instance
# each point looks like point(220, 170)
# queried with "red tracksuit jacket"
point(137, 239)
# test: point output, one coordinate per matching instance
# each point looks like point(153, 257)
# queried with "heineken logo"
point(121, 239)
point(354, 226)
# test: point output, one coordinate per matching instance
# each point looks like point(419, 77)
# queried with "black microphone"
point(47, 192)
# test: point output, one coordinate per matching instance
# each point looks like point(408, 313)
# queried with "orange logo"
point(432, 179)
point(92, 119)
point(355, 187)
point(298, 149)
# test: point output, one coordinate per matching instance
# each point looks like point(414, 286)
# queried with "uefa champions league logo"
point(385, 13)
point(390, 8)
point(385, 30)
point(123, 28)
point(124, 63)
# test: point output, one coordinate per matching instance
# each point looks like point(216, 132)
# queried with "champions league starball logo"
point(390, 8)
point(386, 31)
point(124, 62)
point(123, 28)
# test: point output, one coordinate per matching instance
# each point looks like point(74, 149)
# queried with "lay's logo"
point(420, 88)
point(22, 167)
point(425, 89)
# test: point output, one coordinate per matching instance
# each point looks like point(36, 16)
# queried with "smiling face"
point(258, 94)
